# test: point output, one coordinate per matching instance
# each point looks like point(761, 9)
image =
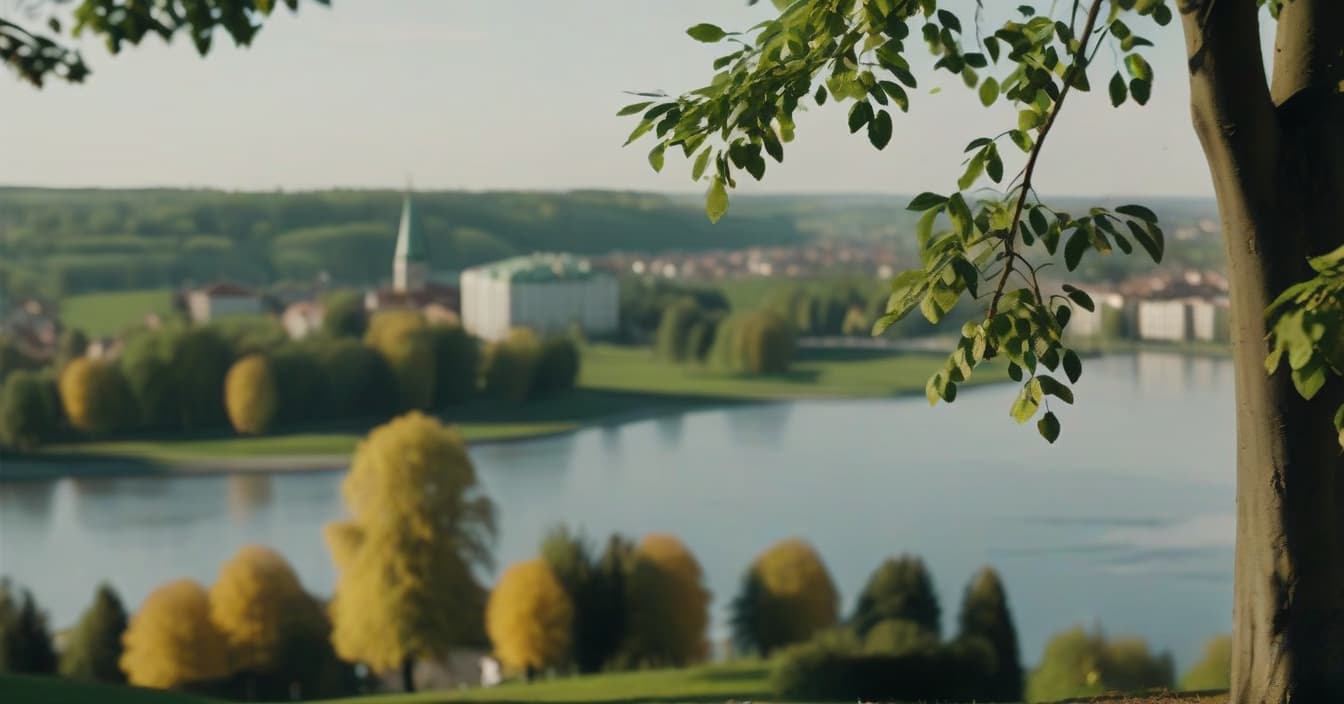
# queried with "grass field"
point(22, 689)
point(109, 313)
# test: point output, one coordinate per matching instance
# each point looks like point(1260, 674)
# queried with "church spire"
point(410, 264)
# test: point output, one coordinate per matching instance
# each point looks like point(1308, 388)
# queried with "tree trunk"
point(1276, 155)
point(408, 674)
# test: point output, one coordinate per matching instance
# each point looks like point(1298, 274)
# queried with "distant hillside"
point(66, 241)
point(71, 241)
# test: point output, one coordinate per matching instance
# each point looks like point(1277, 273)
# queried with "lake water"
point(1126, 522)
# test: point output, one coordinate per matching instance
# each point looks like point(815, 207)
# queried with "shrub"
point(558, 369)
point(530, 618)
point(674, 327)
point(344, 315)
point(358, 381)
point(457, 361)
point(900, 588)
point(302, 388)
point(985, 614)
point(834, 668)
point(896, 636)
point(787, 596)
point(250, 395)
point(511, 363)
point(756, 342)
point(95, 395)
point(25, 642)
point(93, 647)
point(1077, 663)
point(668, 605)
point(171, 641)
point(1214, 669)
point(30, 410)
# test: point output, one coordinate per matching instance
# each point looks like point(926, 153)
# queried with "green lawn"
point(110, 312)
point(23, 689)
point(714, 683)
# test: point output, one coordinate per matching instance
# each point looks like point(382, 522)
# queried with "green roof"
point(410, 241)
point(539, 267)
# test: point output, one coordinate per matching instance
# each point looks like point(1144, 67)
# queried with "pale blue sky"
point(515, 94)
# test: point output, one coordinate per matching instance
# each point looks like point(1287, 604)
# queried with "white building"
point(213, 302)
point(1091, 323)
point(546, 292)
point(1178, 320)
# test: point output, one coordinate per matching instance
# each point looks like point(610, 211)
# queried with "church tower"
point(410, 263)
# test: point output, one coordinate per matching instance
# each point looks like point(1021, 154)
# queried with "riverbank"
point(617, 385)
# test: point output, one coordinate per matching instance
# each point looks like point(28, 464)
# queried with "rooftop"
point(541, 266)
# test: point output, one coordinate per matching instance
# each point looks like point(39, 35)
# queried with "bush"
point(30, 410)
point(1077, 663)
point(171, 641)
point(1214, 670)
point(896, 636)
point(250, 395)
point(302, 388)
point(344, 315)
point(985, 614)
point(901, 589)
point(457, 361)
point(833, 668)
point(757, 342)
point(95, 395)
point(787, 596)
point(93, 647)
point(358, 381)
point(25, 642)
point(511, 363)
point(558, 369)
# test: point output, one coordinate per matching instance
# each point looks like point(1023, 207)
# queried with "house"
point(222, 299)
point(549, 293)
point(302, 319)
point(33, 326)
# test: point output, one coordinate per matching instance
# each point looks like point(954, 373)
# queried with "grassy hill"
point(22, 689)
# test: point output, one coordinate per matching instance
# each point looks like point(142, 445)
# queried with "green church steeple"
point(410, 261)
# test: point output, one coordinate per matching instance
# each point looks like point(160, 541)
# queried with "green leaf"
point(1014, 372)
point(1138, 67)
point(1021, 139)
point(974, 168)
point(1137, 211)
point(1027, 119)
point(640, 130)
point(989, 92)
point(716, 202)
point(994, 164)
point(820, 96)
point(1073, 366)
point(879, 129)
point(897, 94)
point(656, 158)
point(949, 20)
point(1309, 379)
point(1062, 314)
point(1053, 387)
point(705, 32)
point(960, 215)
point(860, 115)
point(1027, 403)
point(701, 161)
point(1074, 248)
point(1119, 93)
point(1083, 300)
point(968, 274)
point(1141, 90)
point(1048, 426)
point(1150, 238)
point(1038, 222)
point(926, 200)
point(633, 108)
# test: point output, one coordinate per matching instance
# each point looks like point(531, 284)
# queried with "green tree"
point(510, 365)
point(787, 596)
point(457, 362)
point(985, 614)
point(674, 328)
point(900, 589)
point(94, 395)
point(594, 584)
point(25, 641)
point(754, 342)
point(1077, 663)
point(30, 410)
point(93, 647)
point(343, 315)
point(557, 369)
point(1277, 164)
point(402, 338)
point(1213, 670)
point(419, 526)
point(358, 380)
point(73, 344)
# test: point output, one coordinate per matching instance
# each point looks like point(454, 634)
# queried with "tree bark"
point(1276, 155)
point(408, 674)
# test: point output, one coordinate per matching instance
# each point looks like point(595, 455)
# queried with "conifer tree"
point(93, 648)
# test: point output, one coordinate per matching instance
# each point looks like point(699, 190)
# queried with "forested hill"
point(60, 241)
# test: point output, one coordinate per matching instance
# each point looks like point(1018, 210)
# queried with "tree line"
point(248, 374)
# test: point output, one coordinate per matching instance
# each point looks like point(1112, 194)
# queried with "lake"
point(1126, 522)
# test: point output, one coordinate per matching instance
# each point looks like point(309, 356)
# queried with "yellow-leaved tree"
point(95, 395)
point(171, 641)
point(529, 617)
point(250, 395)
point(261, 609)
point(787, 596)
point(404, 341)
point(419, 528)
point(668, 602)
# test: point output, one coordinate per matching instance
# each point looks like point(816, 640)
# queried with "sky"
point(519, 94)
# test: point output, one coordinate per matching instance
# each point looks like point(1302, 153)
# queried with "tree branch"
point(1308, 49)
point(1079, 64)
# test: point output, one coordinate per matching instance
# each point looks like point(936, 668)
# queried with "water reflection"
point(26, 501)
point(670, 430)
point(760, 426)
point(248, 495)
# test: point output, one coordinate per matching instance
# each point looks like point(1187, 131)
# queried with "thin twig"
point(1079, 63)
